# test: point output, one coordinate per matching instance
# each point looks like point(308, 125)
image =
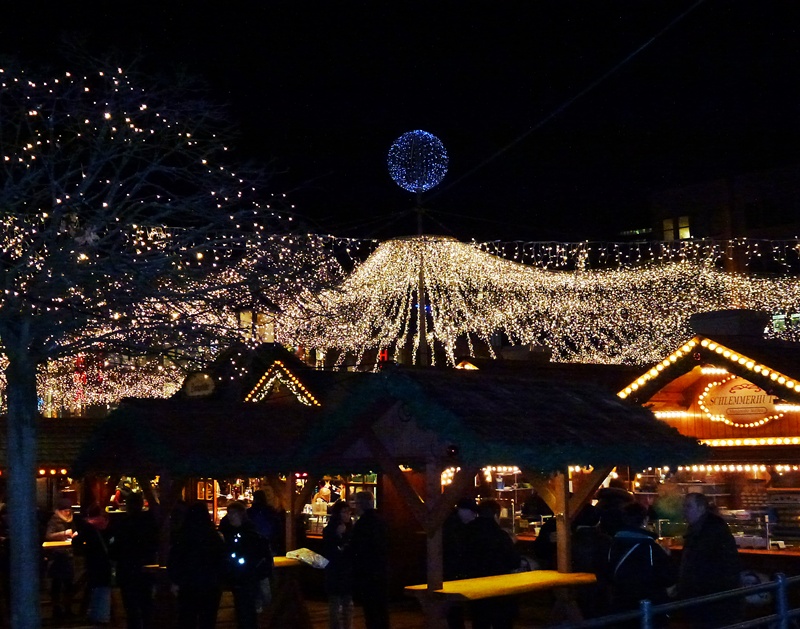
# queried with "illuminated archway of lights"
point(629, 314)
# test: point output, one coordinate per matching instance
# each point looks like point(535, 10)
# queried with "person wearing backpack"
point(639, 568)
point(249, 561)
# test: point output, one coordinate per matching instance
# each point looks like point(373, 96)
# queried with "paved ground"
point(405, 614)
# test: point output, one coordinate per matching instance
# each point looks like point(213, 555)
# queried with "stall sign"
point(738, 400)
point(198, 385)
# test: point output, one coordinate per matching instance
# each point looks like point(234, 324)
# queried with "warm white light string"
point(629, 314)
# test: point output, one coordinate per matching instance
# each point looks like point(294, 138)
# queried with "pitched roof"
point(609, 377)
point(480, 418)
point(60, 440)
point(766, 363)
point(198, 437)
point(497, 419)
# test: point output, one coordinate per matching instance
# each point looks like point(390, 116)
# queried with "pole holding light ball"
point(417, 162)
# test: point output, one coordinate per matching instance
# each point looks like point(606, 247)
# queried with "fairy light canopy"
point(631, 314)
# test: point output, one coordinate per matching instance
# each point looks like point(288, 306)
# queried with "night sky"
point(321, 90)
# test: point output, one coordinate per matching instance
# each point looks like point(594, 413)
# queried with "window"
point(676, 228)
point(668, 228)
point(683, 227)
point(780, 322)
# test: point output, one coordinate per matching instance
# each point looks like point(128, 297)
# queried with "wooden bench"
point(503, 585)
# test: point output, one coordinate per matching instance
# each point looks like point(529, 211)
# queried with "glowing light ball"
point(417, 161)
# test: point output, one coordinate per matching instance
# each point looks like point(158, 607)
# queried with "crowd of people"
point(204, 560)
point(611, 540)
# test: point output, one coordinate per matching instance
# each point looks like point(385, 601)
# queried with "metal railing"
point(648, 613)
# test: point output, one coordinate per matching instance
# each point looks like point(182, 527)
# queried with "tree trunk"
point(23, 525)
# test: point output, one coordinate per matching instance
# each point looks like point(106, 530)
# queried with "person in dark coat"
point(339, 571)
point(269, 524)
point(134, 546)
point(491, 552)
point(545, 546)
point(709, 564)
point(455, 547)
point(639, 568)
point(590, 554)
point(369, 552)
point(456, 550)
point(248, 560)
point(195, 566)
point(61, 567)
point(535, 507)
point(93, 541)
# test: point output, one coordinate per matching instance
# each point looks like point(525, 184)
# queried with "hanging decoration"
point(417, 161)
point(628, 314)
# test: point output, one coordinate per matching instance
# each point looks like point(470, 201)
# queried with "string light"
point(124, 231)
point(738, 467)
point(279, 372)
point(625, 315)
point(750, 441)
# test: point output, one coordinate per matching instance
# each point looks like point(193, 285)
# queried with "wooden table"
point(61, 544)
point(436, 602)
point(288, 608)
point(286, 562)
point(504, 585)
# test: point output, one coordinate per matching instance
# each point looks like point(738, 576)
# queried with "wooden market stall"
point(739, 393)
point(407, 425)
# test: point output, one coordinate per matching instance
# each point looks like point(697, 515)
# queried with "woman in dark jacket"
point(339, 571)
point(196, 563)
point(639, 567)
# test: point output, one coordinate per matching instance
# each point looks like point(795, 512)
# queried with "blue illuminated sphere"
point(417, 161)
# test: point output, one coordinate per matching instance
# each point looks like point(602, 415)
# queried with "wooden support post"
point(435, 553)
point(565, 608)
point(435, 610)
point(563, 520)
point(288, 506)
point(588, 488)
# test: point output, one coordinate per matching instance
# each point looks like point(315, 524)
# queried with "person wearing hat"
point(61, 567)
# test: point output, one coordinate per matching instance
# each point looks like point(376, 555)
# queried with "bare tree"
point(121, 229)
